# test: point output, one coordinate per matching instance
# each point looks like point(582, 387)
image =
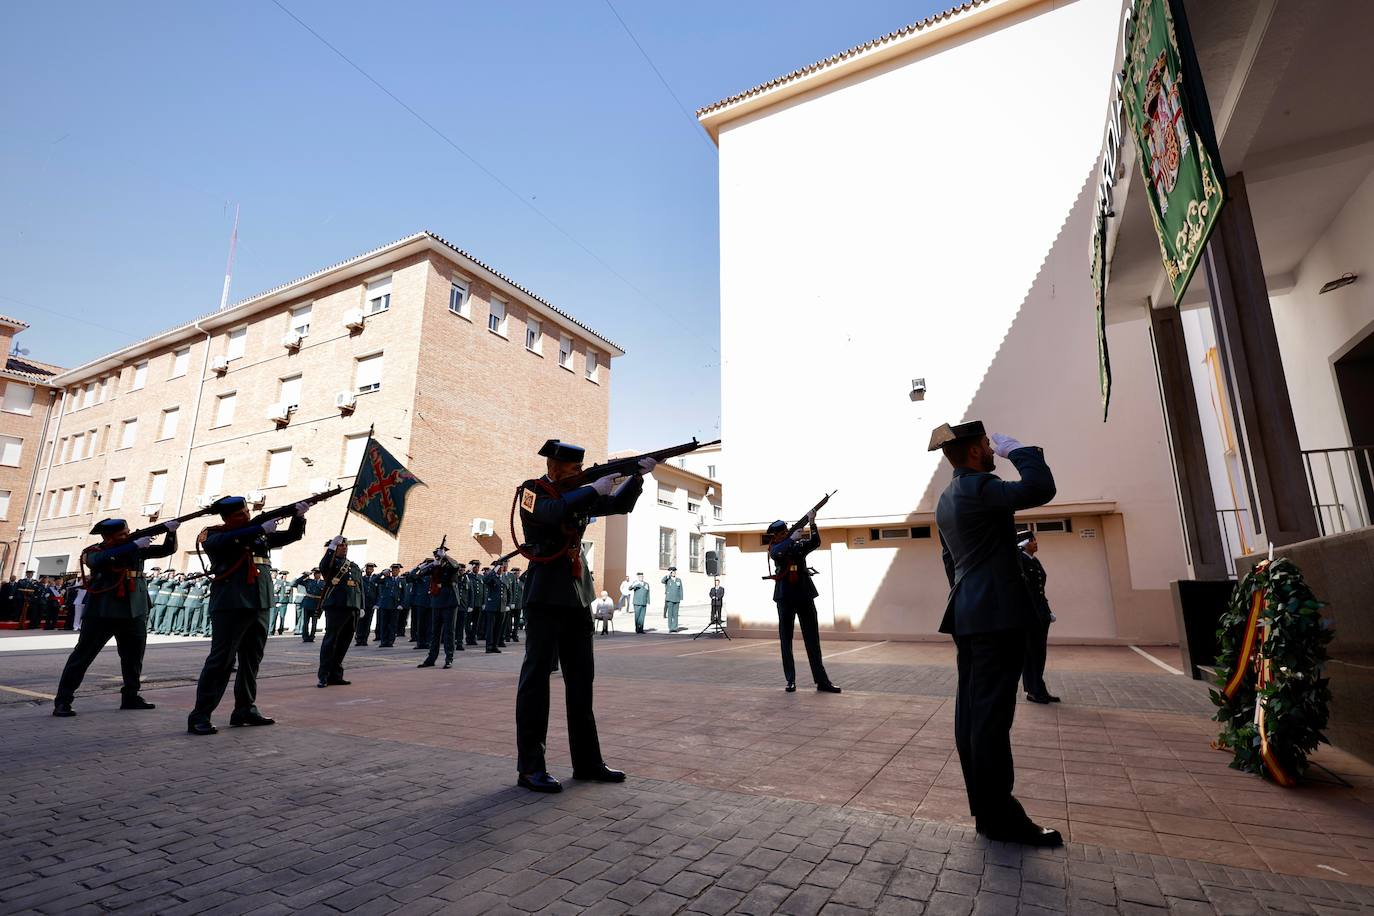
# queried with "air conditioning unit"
point(353, 319)
point(204, 499)
point(220, 364)
point(345, 400)
point(483, 527)
point(257, 497)
point(150, 510)
point(279, 413)
point(291, 340)
point(320, 484)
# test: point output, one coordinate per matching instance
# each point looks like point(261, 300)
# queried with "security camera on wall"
point(918, 389)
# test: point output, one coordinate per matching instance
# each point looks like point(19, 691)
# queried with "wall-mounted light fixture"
point(1343, 280)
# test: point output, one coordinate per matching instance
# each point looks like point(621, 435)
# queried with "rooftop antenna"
point(229, 267)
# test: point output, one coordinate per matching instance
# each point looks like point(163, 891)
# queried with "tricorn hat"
point(109, 526)
point(1024, 537)
point(397, 566)
point(562, 451)
point(946, 433)
point(777, 526)
point(369, 566)
point(228, 505)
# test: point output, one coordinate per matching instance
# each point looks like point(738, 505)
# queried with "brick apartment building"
point(24, 413)
point(462, 371)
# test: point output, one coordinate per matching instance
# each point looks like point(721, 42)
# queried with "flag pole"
point(356, 475)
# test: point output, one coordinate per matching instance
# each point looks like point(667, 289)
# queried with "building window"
point(4, 504)
point(18, 398)
point(115, 498)
point(1053, 525)
point(720, 556)
point(140, 376)
point(213, 480)
point(693, 505)
point(53, 497)
point(11, 450)
point(105, 439)
point(90, 443)
point(665, 496)
point(496, 318)
point(534, 336)
point(157, 488)
point(224, 408)
point(89, 398)
point(565, 351)
point(711, 471)
point(128, 433)
point(66, 507)
point(717, 513)
point(694, 553)
point(289, 394)
point(181, 359)
point(238, 339)
point(103, 391)
point(459, 299)
point(76, 443)
point(300, 319)
point(168, 429)
point(368, 373)
point(80, 500)
point(593, 363)
point(378, 296)
point(667, 548)
point(353, 454)
point(278, 467)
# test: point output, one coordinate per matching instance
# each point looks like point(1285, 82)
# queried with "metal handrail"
point(1340, 483)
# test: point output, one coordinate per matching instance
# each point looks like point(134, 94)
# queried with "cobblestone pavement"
point(396, 795)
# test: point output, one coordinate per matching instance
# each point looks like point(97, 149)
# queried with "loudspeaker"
point(712, 563)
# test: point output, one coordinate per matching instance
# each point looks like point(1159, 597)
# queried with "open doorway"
point(1355, 380)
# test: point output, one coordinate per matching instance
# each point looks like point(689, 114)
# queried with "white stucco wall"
point(929, 218)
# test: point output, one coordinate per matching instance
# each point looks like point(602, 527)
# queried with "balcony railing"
point(1341, 483)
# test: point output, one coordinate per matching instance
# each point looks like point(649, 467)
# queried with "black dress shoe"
point(460, 647)
point(425, 664)
point(605, 774)
point(539, 782)
point(63, 710)
point(419, 648)
point(1037, 698)
point(136, 703)
point(493, 651)
point(200, 728)
point(250, 718)
point(827, 688)
point(791, 687)
point(1052, 698)
point(338, 682)
point(1027, 834)
point(448, 664)
point(322, 684)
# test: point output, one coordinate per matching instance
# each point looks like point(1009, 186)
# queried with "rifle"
point(290, 508)
point(154, 530)
point(623, 467)
point(797, 526)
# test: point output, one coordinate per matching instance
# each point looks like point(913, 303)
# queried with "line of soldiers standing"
point(37, 601)
point(179, 603)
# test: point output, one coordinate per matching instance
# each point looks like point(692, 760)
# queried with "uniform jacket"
point(1034, 573)
point(437, 581)
point(639, 593)
point(314, 588)
point(975, 516)
point(672, 589)
point(494, 587)
point(122, 565)
point(474, 591)
point(240, 564)
point(553, 524)
point(343, 582)
point(371, 585)
point(282, 590)
point(793, 580)
point(176, 595)
point(717, 595)
point(517, 595)
point(391, 592)
point(198, 594)
point(419, 587)
point(508, 584)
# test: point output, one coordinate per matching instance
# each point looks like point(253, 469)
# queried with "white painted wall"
point(929, 218)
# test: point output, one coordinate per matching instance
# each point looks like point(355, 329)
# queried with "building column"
point(1197, 507)
point(1255, 378)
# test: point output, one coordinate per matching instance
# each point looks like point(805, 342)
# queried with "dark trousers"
point(363, 628)
point(402, 616)
point(339, 626)
point(803, 611)
point(1033, 671)
point(445, 621)
point(387, 621)
point(130, 636)
point(310, 625)
point(491, 627)
point(420, 626)
point(554, 632)
point(474, 613)
point(989, 667)
point(236, 634)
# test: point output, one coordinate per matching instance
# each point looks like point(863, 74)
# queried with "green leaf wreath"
point(1297, 697)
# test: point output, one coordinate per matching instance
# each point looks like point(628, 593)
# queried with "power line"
point(95, 324)
point(696, 126)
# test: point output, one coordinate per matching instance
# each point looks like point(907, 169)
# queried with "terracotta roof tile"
point(31, 368)
point(922, 25)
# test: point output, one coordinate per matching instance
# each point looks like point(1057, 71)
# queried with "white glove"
point(302, 507)
point(270, 525)
point(171, 525)
point(143, 543)
point(604, 485)
point(335, 541)
point(647, 465)
point(440, 552)
point(1004, 445)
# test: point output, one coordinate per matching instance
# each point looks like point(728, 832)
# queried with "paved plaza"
point(396, 794)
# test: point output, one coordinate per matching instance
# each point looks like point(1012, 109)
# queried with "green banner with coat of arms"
point(1165, 106)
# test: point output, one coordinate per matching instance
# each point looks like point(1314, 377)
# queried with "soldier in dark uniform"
point(421, 618)
point(474, 600)
point(495, 586)
point(116, 605)
point(1038, 632)
point(795, 595)
point(517, 604)
point(558, 620)
point(8, 590)
point(369, 599)
point(390, 600)
point(436, 576)
point(341, 603)
point(309, 609)
point(240, 602)
point(988, 612)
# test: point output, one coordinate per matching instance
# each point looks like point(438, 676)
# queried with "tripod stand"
point(715, 627)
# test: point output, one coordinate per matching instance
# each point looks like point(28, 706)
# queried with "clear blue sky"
point(131, 129)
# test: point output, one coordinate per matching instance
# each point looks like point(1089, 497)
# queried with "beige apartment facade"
point(26, 402)
point(460, 372)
